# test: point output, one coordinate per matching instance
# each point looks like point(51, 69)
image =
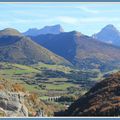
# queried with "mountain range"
point(17, 48)
point(109, 34)
point(55, 29)
point(66, 48)
point(82, 51)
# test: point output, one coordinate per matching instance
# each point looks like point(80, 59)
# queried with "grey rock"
point(12, 103)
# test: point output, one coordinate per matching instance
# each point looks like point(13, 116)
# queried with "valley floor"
point(55, 85)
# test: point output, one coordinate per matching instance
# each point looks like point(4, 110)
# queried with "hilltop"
point(109, 34)
point(17, 48)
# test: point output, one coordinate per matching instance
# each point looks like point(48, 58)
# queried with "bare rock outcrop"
point(12, 104)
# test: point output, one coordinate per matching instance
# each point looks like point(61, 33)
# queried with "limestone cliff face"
point(15, 101)
point(12, 104)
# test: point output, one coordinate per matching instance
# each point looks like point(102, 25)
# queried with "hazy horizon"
point(87, 18)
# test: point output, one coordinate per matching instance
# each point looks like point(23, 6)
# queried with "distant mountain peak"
point(57, 25)
point(54, 29)
point(10, 31)
point(110, 27)
point(109, 34)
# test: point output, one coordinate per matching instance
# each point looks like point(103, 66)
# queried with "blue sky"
point(87, 18)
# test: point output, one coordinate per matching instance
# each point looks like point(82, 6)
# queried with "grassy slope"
point(22, 50)
point(22, 73)
point(17, 72)
point(83, 51)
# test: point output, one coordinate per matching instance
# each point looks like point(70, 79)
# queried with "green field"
point(50, 80)
point(58, 87)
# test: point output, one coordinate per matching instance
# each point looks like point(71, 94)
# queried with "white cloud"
point(68, 19)
point(87, 9)
point(89, 20)
point(86, 20)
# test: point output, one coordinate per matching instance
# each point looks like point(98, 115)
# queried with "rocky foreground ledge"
point(15, 101)
point(12, 104)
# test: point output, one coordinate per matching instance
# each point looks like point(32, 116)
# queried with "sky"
point(87, 18)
